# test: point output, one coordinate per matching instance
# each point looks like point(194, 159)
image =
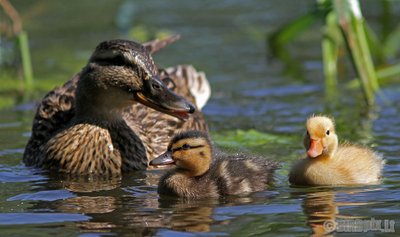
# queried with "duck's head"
point(122, 72)
point(190, 151)
point(320, 138)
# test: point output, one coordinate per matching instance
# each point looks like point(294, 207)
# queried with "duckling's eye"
point(186, 147)
point(308, 133)
point(327, 132)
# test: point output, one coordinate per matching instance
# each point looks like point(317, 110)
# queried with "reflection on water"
point(323, 210)
point(84, 184)
point(320, 207)
point(195, 219)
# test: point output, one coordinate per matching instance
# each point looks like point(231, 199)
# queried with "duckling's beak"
point(156, 95)
point(315, 149)
point(164, 159)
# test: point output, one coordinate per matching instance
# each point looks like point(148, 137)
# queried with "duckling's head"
point(320, 138)
point(119, 73)
point(190, 151)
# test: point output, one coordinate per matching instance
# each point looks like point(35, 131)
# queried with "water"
point(250, 93)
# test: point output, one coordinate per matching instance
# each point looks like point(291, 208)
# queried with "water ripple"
point(258, 209)
point(39, 218)
point(18, 174)
point(12, 151)
point(282, 91)
point(51, 195)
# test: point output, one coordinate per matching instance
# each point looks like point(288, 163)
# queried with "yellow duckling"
point(328, 163)
point(197, 175)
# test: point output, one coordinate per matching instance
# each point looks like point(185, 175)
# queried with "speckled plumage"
point(73, 141)
point(226, 176)
point(199, 174)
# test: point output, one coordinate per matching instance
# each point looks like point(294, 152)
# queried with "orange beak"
point(315, 149)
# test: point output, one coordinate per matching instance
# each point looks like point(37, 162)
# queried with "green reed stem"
point(351, 23)
point(22, 39)
point(330, 54)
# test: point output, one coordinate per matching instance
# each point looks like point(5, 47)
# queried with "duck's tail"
point(157, 44)
point(195, 81)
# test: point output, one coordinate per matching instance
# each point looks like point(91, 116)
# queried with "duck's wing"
point(54, 111)
point(156, 129)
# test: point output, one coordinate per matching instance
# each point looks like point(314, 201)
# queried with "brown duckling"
point(198, 175)
point(104, 120)
point(330, 163)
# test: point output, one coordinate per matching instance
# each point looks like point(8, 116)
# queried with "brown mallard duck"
point(118, 113)
point(330, 163)
point(199, 175)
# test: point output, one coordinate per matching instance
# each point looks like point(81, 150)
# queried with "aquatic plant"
point(14, 31)
point(344, 26)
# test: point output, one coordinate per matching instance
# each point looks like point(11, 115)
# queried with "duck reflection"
point(195, 219)
point(84, 183)
point(130, 204)
point(322, 209)
point(187, 215)
point(197, 215)
point(110, 202)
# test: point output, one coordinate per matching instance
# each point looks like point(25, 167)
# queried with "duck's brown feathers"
point(142, 134)
point(102, 150)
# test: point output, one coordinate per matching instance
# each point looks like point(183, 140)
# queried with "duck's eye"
point(308, 133)
point(327, 132)
point(186, 147)
point(156, 86)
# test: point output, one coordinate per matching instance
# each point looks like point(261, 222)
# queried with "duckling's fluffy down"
point(226, 176)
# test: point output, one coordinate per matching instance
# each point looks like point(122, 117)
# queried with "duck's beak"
point(164, 159)
point(315, 149)
point(156, 95)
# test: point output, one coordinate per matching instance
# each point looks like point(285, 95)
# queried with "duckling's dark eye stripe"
point(190, 147)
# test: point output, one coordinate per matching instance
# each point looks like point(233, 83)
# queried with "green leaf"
point(391, 46)
point(248, 138)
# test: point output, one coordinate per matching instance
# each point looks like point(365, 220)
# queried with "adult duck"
point(118, 113)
